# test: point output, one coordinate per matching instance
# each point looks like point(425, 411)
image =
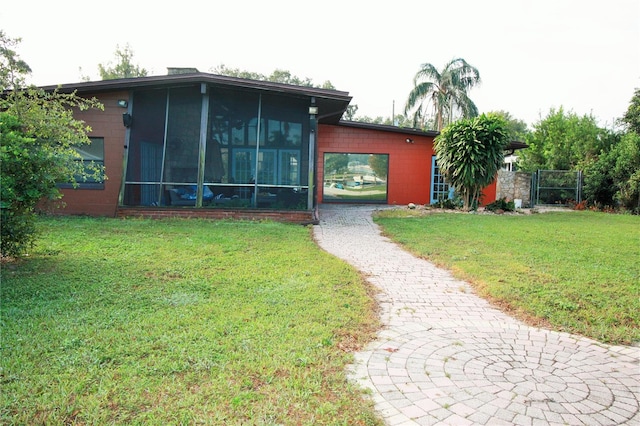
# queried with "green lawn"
point(180, 322)
point(572, 271)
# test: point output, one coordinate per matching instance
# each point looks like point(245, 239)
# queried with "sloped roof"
point(331, 103)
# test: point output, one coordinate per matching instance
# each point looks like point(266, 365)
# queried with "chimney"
point(178, 70)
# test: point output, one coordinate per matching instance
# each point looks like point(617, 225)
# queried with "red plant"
point(582, 205)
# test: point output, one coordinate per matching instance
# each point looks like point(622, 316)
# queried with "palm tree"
point(445, 90)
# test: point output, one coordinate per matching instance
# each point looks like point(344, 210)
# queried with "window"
point(275, 167)
point(243, 169)
point(92, 157)
point(284, 133)
point(289, 167)
point(182, 148)
point(267, 167)
point(351, 177)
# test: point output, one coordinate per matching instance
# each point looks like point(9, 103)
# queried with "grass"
point(572, 271)
point(181, 322)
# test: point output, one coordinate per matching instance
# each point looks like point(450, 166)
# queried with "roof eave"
point(333, 102)
point(516, 145)
point(193, 78)
point(389, 128)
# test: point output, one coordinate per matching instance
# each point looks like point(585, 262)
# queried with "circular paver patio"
point(446, 356)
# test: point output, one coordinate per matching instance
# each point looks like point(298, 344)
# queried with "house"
point(199, 144)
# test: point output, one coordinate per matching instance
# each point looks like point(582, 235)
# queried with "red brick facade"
point(293, 216)
point(105, 124)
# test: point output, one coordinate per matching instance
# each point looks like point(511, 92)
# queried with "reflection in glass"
point(355, 177)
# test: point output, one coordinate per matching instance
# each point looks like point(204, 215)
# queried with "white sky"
point(532, 55)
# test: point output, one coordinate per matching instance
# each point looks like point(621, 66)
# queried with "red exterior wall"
point(106, 124)
point(409, 163)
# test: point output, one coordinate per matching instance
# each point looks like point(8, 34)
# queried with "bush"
point(447, 203)
point(582, 205)
point(614, 179)
point(501, 204)
point(22, 183)
point(18, 232)
point(38, 141)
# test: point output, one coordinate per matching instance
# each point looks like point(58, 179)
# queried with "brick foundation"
point(289, 216)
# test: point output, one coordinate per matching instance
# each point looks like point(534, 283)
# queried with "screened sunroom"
point(213, 145)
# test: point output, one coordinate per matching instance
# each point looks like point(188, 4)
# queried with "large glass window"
point(243, 165)
point(275, 167)
point(284, 133)
point(351, 177)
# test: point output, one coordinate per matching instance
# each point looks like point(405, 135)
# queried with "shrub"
point(38, 141)
point(501, 204)
point(582, 205)
point(30, 169)
point(614, 179)
point(448, 203)
point(21, 183)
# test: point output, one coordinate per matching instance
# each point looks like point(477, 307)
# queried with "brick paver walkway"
point(445, 356)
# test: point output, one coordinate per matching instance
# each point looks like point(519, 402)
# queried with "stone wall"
point(514, 185)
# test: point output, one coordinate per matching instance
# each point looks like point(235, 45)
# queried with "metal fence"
point(556, 187)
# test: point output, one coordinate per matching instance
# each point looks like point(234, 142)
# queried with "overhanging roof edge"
point(388, 128)
point(193, 78)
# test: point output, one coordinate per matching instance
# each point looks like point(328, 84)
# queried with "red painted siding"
point(409, 163)
point(409, 179)
point(105, 124)
point(488, 194)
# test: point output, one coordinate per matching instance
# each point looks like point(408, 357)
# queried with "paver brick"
point(457, 360)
